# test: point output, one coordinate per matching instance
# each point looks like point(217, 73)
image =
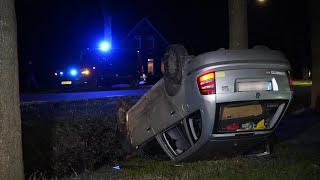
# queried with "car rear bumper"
point(226, 147)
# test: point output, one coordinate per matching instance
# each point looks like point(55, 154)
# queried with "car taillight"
point(207, 84)
point(290, 81)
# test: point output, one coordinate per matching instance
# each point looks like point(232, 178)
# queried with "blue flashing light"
point(104, 46)
point(61, 73)
point(73, 72)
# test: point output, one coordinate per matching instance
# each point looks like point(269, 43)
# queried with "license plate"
point(255, 86)
point(66, 82)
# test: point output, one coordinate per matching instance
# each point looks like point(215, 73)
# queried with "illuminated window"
point(150, 66)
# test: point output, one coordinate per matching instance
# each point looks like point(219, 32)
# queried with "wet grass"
point(288, 162)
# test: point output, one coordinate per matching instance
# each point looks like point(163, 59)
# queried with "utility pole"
point(315, 48)
point(238, 26)
point(11, 161)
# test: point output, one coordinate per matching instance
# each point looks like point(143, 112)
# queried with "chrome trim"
point(234, 134)
point(192, 129)
point(277, 115)
point(168, 144)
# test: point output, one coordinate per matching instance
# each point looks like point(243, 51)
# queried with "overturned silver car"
point(220, 102)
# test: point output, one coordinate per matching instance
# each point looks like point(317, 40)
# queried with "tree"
point(11, 163)
point(238, 26)
point(315, 48)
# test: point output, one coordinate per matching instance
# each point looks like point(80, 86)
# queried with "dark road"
point(66, 96)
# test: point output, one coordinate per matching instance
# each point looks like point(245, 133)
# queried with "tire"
point(173, 63)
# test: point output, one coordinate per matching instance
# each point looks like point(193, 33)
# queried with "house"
point(149, 45)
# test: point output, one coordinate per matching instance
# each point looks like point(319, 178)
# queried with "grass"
point(62, 138)
point(288, 162)
point(74, 136)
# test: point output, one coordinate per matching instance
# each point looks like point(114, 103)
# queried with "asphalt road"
point(52, 97)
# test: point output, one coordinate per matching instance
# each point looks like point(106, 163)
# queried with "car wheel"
point(173, 63)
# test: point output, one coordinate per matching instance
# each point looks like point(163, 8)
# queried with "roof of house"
point(143, 22)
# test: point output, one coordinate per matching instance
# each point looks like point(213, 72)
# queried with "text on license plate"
point(255, 86)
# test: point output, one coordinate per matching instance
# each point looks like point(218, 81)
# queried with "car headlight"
point(85, 72)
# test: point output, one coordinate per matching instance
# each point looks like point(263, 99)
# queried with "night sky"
point(53, 32)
